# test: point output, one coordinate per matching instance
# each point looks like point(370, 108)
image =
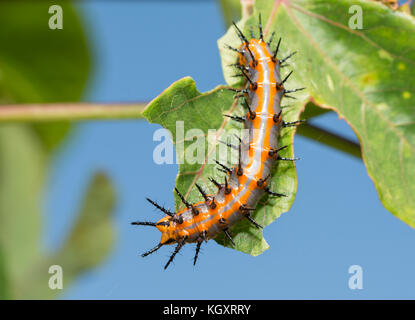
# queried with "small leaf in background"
point(182, 102)
point(93, 236)
point(88, 244)
point(366, 76)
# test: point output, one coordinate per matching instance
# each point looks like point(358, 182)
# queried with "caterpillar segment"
point(247, 181)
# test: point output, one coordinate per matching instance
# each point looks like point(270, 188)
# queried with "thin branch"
point(69, 112)
point(94, 111)
point(331, 139)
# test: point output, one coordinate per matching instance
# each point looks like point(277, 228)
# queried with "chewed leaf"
point(181, 108)
point(365, 75)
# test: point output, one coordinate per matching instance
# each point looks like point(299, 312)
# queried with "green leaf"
point(366, 76)
point(88, 244)
point(353, 76)
point(38, 64)
point(182, 102)
point(231, 10)
point(4, 290)
point(311, 110)
point(21, 182)
point(229, 57)
point(93, 236)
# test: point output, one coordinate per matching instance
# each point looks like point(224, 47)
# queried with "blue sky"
point(336, 221)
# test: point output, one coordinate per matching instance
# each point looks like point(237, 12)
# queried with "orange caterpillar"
point(245, 183)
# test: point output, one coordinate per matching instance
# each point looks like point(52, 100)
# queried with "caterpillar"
point(247, 181)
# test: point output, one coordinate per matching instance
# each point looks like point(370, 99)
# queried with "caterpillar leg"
point(288, 57)
point(271, 39)
point(202, 237)
point(287, 159)
point(292, 123)
point(228, 235)
point(246, 212)
point(199, 244)
point(250, 219)
point(145, 254)
point(180, 245)
point(275, 194)
point(144, 223)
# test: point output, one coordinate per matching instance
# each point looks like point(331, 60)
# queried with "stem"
point(69, 112)
point(95, 111)
point(331, 139)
